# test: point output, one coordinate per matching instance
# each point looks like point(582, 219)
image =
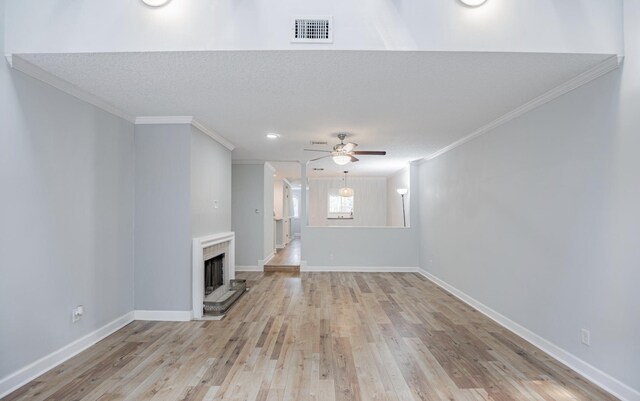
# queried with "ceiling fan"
point(344, 153)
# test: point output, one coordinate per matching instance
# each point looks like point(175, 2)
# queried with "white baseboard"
point(248, 269)
point(163, 315)
point(42, 365)
point(268, 258)
point(363, 269)
point(593, 374)
point(264, 261)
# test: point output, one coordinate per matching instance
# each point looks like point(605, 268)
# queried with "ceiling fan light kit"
point(156, 3)
point(343, 153)
point(473, 3)
point(341, 159)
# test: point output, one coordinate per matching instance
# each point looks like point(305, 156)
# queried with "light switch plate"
point(77, 313)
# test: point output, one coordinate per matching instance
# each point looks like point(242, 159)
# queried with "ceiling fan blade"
point(369, 152)
point(354, 159)
point(348, 147)
point(318, 158)
point(317, 150)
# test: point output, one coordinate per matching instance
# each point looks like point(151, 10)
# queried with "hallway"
point(289, 257)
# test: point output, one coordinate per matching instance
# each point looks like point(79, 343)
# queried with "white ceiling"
point(290, 171)
point(410, 104)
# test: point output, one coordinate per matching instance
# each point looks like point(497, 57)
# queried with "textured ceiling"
point(408, 103)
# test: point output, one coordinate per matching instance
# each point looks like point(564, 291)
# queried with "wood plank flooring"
point(318, 336)
point(286, 259)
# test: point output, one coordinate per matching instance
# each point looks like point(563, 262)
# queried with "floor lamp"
point(403, 192)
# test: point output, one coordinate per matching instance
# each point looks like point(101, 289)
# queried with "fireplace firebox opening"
point(213, 274)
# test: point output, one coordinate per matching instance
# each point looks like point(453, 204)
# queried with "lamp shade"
point(155, 3)
point(345, 191)
point(473, 3)
point(341, 159)
point(402, 191)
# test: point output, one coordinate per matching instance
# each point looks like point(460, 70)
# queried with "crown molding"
point(268, 165)
point(608, 65)
point(261, 162)
point(351, 178)
point(147, 120)
point(22, 65)
point(212, 134)
point(151, 120)
point(19, 64)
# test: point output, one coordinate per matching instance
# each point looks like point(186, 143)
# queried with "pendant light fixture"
point(155, 3)
point(345, 191)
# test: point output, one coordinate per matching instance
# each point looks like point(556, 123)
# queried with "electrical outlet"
point(77, 313)
point(331, 256)
point(215, 204)
point(586, 337)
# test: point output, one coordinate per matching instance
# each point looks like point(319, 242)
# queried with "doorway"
point(286, 218)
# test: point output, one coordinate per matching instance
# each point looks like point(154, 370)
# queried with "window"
point(340, 207)
point(294, 204)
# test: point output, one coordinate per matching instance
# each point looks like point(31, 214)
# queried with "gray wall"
point(66, 217)
point(162, 217)
point(268, 244)
point(359, 246)
point(278, 198)
point(364, 246)
point(247, 195)
point(210, 182)
point(540, 218)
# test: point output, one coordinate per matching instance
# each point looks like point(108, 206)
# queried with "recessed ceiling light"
point(473, 3)
point(272, 135)
point(155, 3)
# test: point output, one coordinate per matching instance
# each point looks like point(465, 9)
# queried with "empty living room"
point(320, 200)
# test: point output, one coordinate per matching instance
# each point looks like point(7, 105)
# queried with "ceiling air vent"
point(318, 169)
point(312, 29)
point(318, 142)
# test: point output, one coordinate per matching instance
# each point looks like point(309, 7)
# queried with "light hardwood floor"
point(286, 259)
point(319, 336)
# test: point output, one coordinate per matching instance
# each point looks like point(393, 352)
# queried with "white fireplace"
point(205, 248)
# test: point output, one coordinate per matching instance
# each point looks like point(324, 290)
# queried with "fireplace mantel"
point(199, 244)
